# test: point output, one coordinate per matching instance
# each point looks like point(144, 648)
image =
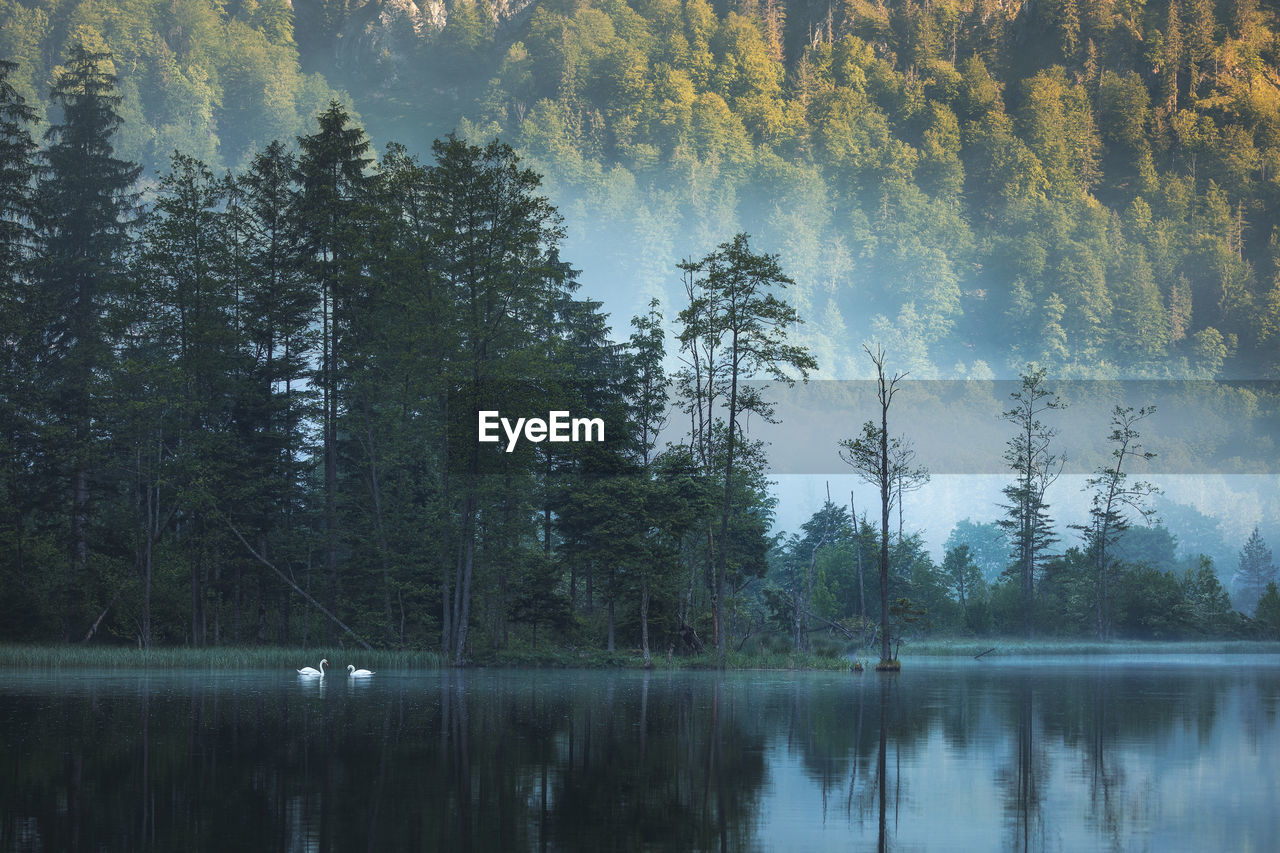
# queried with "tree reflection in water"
point(1021, 779)
point(1008, 758)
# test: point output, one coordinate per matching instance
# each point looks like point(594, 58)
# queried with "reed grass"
point(14, 656)
point(219, 658)
point(1047, 647)
point(550, 658)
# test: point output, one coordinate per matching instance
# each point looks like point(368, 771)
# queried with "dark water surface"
point(1155, 754)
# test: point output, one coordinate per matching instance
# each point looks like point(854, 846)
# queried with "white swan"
point(312, 672)
point(357, 673)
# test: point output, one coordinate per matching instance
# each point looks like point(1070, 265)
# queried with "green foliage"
point(1114, 497)
point(965, 580)
point(1035, 468)
point(734, 329)
point(1256, 569)
point(988, 546)
point(214, 81)
point(1267, 613)
point(973, 188)
point(226, 657)
point(974, 157)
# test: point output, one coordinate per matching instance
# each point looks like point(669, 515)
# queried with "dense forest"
point(240, 380)
point(1089, 185)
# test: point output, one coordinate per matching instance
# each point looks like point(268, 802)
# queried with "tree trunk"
point(857, 544)
point(330, 449)
point(644, 624)
point(884, 529)
point(464, 610)
point(611, 645)
point(196, 596)
point(79, 557)
point(717, 593)
point(379, 527)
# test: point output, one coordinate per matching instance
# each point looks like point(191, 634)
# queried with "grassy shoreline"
point(220, 658)
point(1043, 648)
point(273, 657)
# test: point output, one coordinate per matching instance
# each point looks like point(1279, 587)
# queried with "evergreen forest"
point(244, 342)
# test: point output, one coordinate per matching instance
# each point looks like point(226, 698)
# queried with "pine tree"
point(191, 309)
point(281, 307)
point(1179, 309)
point(494, 243)
point(1200, 25)
point(88, 208)
point(734, 310)
point(331, 211)
point(882, 462)
point(1267, 612)
point(1256, 570)
point(1114, 497)
point(1171, 58)
point(18, 219)
point(647, 349)
point(1027, 518)
point(17, 197)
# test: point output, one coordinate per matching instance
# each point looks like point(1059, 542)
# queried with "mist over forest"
point(1089, 187)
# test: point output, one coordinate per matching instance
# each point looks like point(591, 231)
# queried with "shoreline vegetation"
point(43, 657)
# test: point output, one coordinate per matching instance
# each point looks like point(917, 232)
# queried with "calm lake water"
point(1153, 754)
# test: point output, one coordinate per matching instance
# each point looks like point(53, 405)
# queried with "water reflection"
point(1011, 757)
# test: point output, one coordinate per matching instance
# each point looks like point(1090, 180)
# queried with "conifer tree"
point(88, 202)
point(17, 184)
point(1256, 570)
point(1115, 496)
point(1027, 518)
point(1171, 58)
point(494, 242)
point(331, 212)
point(884, 463)
point(191, 310)
point(18, 219)
point(733, 309)
point(280, 308)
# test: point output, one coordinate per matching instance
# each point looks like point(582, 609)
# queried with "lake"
point(1109, 753)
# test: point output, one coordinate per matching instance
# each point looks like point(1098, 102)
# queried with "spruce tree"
point(494, 242)
point(88, 204)
point(17, 225)
point(1027, 518)
point(733, 309)
point(1114, 497)
point(17, 184)
point(192, 309)
point(1256, 570)
point(332, 206)
point(281, 309)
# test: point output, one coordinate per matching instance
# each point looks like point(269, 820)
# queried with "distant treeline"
point(1156, 594)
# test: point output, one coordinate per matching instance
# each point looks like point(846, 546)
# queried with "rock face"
point(375, 41)
point(436, 14)
point(378, 39)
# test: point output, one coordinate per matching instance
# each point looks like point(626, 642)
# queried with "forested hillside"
point(239, 380)
point(214, 81)
point(1091, 185)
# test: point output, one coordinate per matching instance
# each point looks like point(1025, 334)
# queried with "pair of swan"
point(312, 672)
